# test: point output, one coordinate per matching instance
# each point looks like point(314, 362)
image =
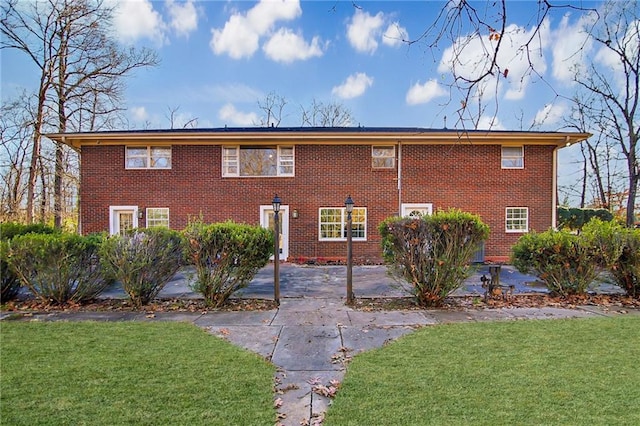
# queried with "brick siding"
point(468, 177)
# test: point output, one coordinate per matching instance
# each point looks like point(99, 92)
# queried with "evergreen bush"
point(57, 268)
point(9, 282)
point(226, 257)
point(432, 252)
point(618, 251)
point(143, 260)
point(565, 262)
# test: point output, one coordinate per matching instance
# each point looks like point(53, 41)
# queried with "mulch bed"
point(361, 304)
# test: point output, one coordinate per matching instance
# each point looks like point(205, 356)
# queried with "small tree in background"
point(226, 256)
point(432, 253)
point(143, 260)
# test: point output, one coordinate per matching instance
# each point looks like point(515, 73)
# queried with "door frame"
point(114, 221)
point(284, 226)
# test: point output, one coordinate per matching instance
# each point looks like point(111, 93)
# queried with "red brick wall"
point(468, 177)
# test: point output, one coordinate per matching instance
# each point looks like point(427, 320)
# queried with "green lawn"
point(552, 372)
point(88, 373)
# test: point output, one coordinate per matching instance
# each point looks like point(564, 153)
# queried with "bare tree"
point(82, 71)
point(332, 114)
point(608, 96)
point(175, 120)
point(272, 107)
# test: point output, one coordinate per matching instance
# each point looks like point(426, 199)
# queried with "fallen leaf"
point(278, 403)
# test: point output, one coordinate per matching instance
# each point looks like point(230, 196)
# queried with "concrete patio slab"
point(387, 318)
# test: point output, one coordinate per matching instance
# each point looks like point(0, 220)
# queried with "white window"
point(247, 161)
point(512, 157)
point(383, 157)
point(417, 210)
point(517, 219)
point(157, 217)
point(333, 224)
point(148, 157)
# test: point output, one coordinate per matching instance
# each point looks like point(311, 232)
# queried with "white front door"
point(122, 218)
point(267, 221)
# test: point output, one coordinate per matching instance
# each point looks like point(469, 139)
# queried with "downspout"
point(399, 178)
point(554, 184)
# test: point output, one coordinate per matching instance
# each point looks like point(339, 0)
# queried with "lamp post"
point(348, 203)
point(276, 249)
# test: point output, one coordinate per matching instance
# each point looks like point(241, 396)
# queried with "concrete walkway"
point(312, 335)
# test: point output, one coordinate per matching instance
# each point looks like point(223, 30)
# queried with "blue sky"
point(218, 58)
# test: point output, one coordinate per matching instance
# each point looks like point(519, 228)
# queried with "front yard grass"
point(552, 372)
point(88, 373)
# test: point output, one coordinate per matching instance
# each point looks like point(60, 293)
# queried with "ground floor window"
point(333, 223)
point(157, 217)
point(517, 219)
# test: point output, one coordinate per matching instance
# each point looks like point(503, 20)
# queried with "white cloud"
point(136, 19)
point(240, 36)
point(549, 115)
point(571, 45)
point(395, 35)
point(424, 93)
point(354, 86)
point(363, 30)
point(470, 57)
point(230, 115)
point(139, 114)
point(489, 123)
point(286, 46)
point(184, 17)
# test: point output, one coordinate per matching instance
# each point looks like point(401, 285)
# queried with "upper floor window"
point(383, 157)
point(517, 219)
point(258, 161)
point(157, 217)
point(512, 157)
point(148, 157)
point(333, 224)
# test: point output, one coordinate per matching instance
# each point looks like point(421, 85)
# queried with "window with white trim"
point(157, 217)
point(258, 161)
point(517, 219)
point(512, 157)
point(147, 157)
point(333, 224)
point(383, 157)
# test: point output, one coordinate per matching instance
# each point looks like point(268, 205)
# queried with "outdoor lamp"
point(276, 203)
point(348, 203)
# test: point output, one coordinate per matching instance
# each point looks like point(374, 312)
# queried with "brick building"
point(165, 177)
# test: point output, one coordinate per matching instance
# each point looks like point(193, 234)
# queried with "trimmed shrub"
point(57, 268)
point(432, 252)
point(226, 257)
point(9, 282)
point(574, 218)
point(143, 260)
point(565, 262)
point(618, 251)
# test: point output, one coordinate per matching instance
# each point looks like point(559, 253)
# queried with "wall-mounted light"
point(295, 214)
point(140, 214)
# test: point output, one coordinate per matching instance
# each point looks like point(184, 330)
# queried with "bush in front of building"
point(432, 252)
point(143, 260)
point(618, 251)
point(565, 262)
point(226, 256)
point(9, 282)
point(57, 268)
